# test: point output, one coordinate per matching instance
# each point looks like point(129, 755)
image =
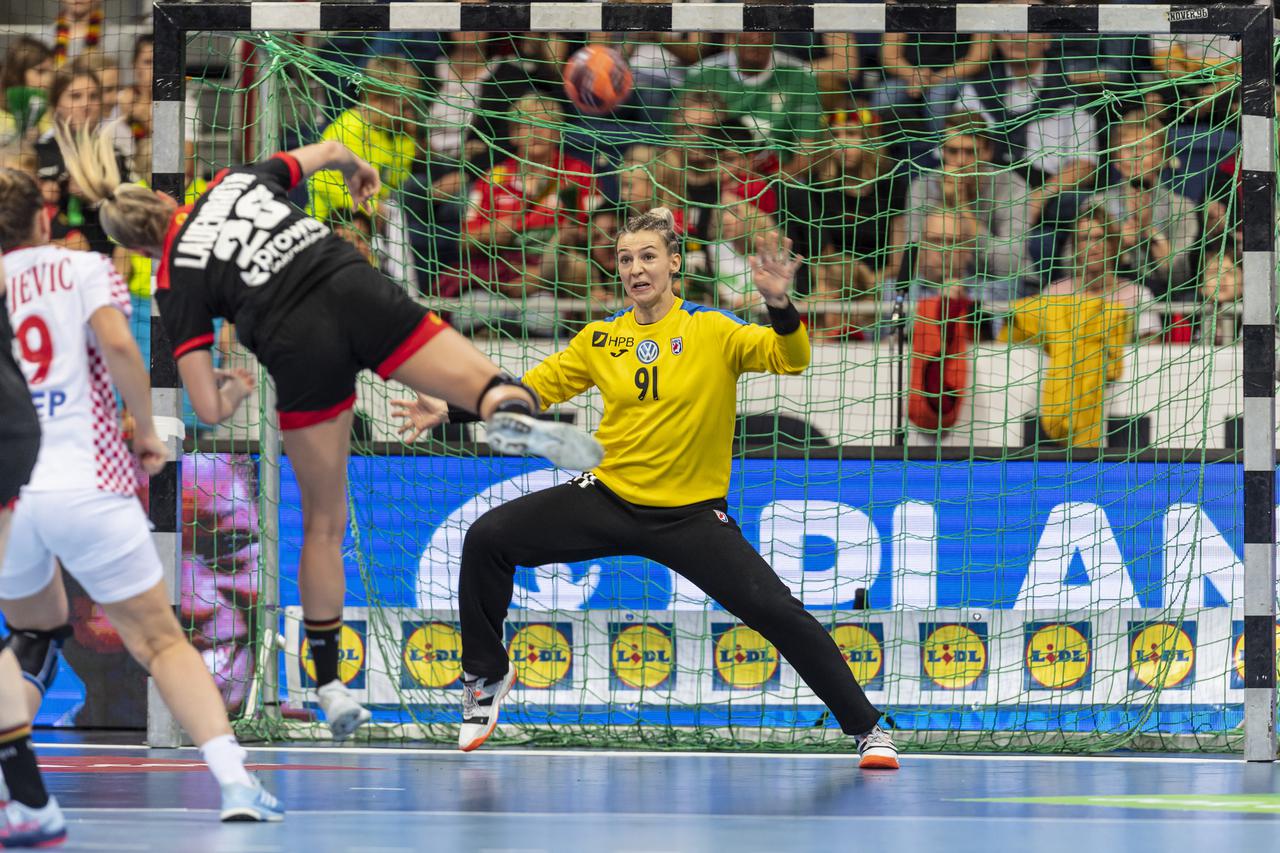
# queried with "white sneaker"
point(480, 702)
point(877, 751)
point(564, 444)
point(341, 711)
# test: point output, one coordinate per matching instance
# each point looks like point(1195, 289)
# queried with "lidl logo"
point(642, 657)
point(862, 647)
point(542, 653)
point(1162, 655)
point(743, 659)
point(1057, 656)
point(351, 646)
point(431, 654)
point(1237, 653)
point(953, 656)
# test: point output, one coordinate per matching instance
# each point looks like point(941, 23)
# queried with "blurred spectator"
point(77, 101)
point(1029, 96)
point(522, 64)
point(844, 213)
point(743, 232)
point(356, 227)
point(970, 180)
point(1084, 337)
point(946, 256)
point(81, 27)
point(25, 79)
point(774, 95)
point(1096, 247)
point(923, 74)
point(458, 79)
point(107, 70)
point(1188, 53)
point(1159, 226)
point(379, 128)
point(525, 206)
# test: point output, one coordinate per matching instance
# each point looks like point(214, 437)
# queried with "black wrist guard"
point(511, 405)
point(784, 320)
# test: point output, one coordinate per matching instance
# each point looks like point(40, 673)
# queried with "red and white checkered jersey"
point(52, 294)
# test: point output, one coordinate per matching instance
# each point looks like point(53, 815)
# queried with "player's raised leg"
point(708, 549)
point(318, 454)
point(450, 367)
point(567, 523)
point(153, 636)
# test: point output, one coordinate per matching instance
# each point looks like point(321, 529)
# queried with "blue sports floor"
point(121, 797)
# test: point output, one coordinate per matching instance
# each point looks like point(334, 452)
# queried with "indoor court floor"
point(122, 797)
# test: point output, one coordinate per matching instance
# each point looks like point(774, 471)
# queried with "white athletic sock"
point(225, 757)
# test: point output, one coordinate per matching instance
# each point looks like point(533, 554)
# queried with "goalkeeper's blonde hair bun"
point(661, 221)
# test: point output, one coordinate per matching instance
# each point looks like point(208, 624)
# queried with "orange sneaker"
point(876, 751)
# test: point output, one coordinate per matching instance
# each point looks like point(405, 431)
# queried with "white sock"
point(225, 757)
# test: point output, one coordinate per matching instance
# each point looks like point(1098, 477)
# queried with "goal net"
point(1010, 483)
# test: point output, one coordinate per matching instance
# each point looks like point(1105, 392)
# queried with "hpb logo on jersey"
point(1057, 656)
point(1162, 655)
point(351, 657)
point(542, 653)
point(641, 657)
point(953, 656)
point(743, 659)
point(430, 654)
point(648, 351)
point(1237, 653)
point(862, 647)
point(599, 339)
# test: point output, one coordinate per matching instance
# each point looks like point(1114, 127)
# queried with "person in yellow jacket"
point(378, 130)
point(668, 371)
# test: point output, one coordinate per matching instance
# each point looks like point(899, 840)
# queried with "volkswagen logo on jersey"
point(677, 346)
point(647, 352)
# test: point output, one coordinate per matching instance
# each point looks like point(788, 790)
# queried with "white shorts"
point(101, 538)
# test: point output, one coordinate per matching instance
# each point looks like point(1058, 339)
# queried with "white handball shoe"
point(877, 751)
point(481, 699)
point(564, 444)
point(341, 711)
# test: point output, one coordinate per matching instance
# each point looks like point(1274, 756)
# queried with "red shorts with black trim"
point(355, 320)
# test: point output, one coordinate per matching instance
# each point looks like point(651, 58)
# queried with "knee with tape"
point(37, 653)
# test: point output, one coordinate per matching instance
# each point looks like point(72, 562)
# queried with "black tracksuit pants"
point(584, 520)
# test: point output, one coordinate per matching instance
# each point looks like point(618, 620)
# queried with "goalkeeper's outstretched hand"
point(774, 273)
point(419, 415)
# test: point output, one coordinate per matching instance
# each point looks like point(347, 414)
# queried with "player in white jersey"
point(70, 314)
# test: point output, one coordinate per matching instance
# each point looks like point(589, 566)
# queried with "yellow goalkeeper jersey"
point(670, 395)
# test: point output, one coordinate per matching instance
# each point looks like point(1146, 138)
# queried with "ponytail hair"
point(659, 220)
point(132, 215)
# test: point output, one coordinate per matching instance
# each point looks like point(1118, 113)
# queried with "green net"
point(1008, 483)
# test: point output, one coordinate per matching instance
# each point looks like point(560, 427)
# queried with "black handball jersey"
point(17, 414)
point(244, 252)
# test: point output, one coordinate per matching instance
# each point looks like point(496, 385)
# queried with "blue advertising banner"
point(1000, 535)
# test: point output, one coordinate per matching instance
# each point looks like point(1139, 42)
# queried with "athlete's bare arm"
point(124, 361)
point(362, 179)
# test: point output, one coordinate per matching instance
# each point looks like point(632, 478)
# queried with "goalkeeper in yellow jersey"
point(668, 371)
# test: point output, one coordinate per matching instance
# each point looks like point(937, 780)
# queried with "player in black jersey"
point(315, 313)
point(30, 818)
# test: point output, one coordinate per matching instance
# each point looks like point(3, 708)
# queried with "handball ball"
point(597, 79)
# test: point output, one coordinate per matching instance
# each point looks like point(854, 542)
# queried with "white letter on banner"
point(438, 567)
point(915, 555)
point(1196, 557)
point(1076, 528)
point(783, 528)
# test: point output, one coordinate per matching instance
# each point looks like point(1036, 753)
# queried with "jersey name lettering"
point(236, 225)
point(38, 280)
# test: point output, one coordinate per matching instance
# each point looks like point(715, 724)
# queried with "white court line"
point(427, 751)
point(666, 816)
point(371, 789)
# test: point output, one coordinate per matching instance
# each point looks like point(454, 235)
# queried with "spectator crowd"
point(1023, 176)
